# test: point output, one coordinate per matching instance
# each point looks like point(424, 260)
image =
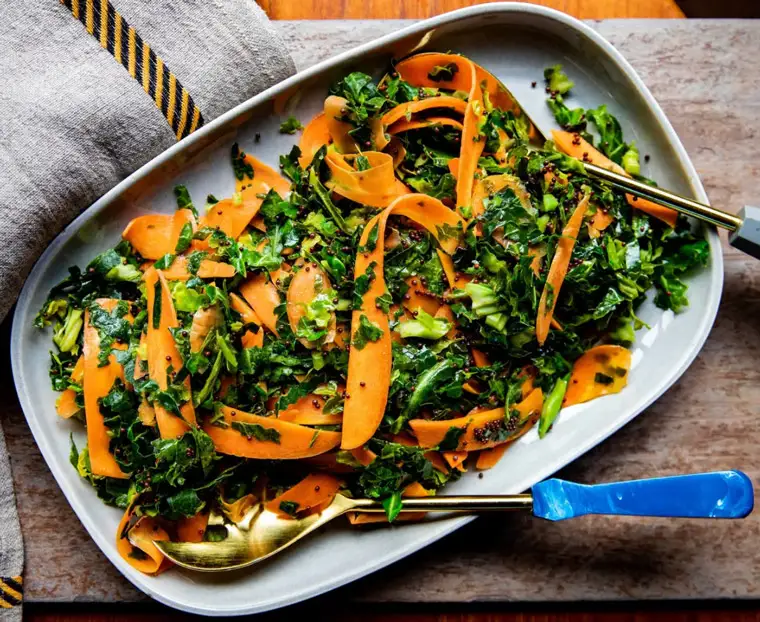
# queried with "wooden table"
point(706, 421)
point(420, 9)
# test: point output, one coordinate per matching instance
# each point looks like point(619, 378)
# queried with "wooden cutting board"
point(704, 73)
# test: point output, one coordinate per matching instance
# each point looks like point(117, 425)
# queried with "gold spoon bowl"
point(260, 534)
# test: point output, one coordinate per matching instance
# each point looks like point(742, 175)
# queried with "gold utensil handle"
point(668, 199)
point(474, 503)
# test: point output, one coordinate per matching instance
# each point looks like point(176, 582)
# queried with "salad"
point(418, 286)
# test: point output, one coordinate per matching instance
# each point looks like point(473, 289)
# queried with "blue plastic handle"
point(725, 494)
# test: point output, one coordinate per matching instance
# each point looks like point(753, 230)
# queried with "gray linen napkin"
point(74, 122)
point(89, 91)
point(11, 545)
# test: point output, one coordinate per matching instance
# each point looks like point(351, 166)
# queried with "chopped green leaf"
point(367, 331)
point(256, 431)
point(291, 125)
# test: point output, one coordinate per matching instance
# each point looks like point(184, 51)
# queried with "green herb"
point(318, 315)
point(184, 503)
point(423, 326)
point(164, 262)
point(114, 267)
point(289, 507)
point(392, 506)
point(290, 166)
point(630, 160)
point(324, 197)
point(484, 299)
point(552, 406)
point(68, 331)
point(450, 440)
point(157, 295)
point(600, 378)
point(73, 452)
point(205, 393)
point(291, 125)
point(314, 438)
point(556, 80)
point(573, 120)
point(366, 331)
point(188, 299)
point(362, 284)
point(362, 163)
point(371, 243)
point(185, 238)
point(276, 210)
point(270, 257)
point(184, 201)
point(215, 533)
point(254, 430)
point(316, 221)
point(240, 166)
point(550, 203)
point(194, 260)
point(427, 383)
point(364, 98)
point(443, 73)
point(444, 187)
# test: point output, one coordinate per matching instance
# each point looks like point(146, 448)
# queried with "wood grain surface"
point(350, 614)
point(420, 9)
point(705, 76)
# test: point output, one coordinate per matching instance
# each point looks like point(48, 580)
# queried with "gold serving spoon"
point(262, 533)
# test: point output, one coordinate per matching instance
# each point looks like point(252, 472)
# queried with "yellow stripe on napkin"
point(114, 34)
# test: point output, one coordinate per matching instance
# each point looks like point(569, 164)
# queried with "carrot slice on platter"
point(481, 430)
point(455, 459)
point(207, 269)
point(420, 297)
point(404, 111)
point(489, 458)
point(308, 284)
point(446, 71)
point(314, 491)
point(375, 186)
point(163, 353)
point(472, 143)
point(98, 381)
point(234, 214)
point(267, 438)
point(66, 405)
point(193, 528)
point(156, 235)
point(558, 270)
point(578, 147)
point(335, 109)
point(134, 542)
point(405, 125)
point(602, 370)
point(315, 135)
point(369, 364)
point(262, 295)
point(247, 314)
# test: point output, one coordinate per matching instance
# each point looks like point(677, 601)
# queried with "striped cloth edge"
point(113, 32)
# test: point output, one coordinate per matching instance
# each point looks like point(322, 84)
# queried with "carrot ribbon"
point(369, 367)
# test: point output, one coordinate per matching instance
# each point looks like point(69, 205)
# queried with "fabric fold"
point(90, 90)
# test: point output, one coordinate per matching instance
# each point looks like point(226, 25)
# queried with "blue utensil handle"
point(724, 494)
